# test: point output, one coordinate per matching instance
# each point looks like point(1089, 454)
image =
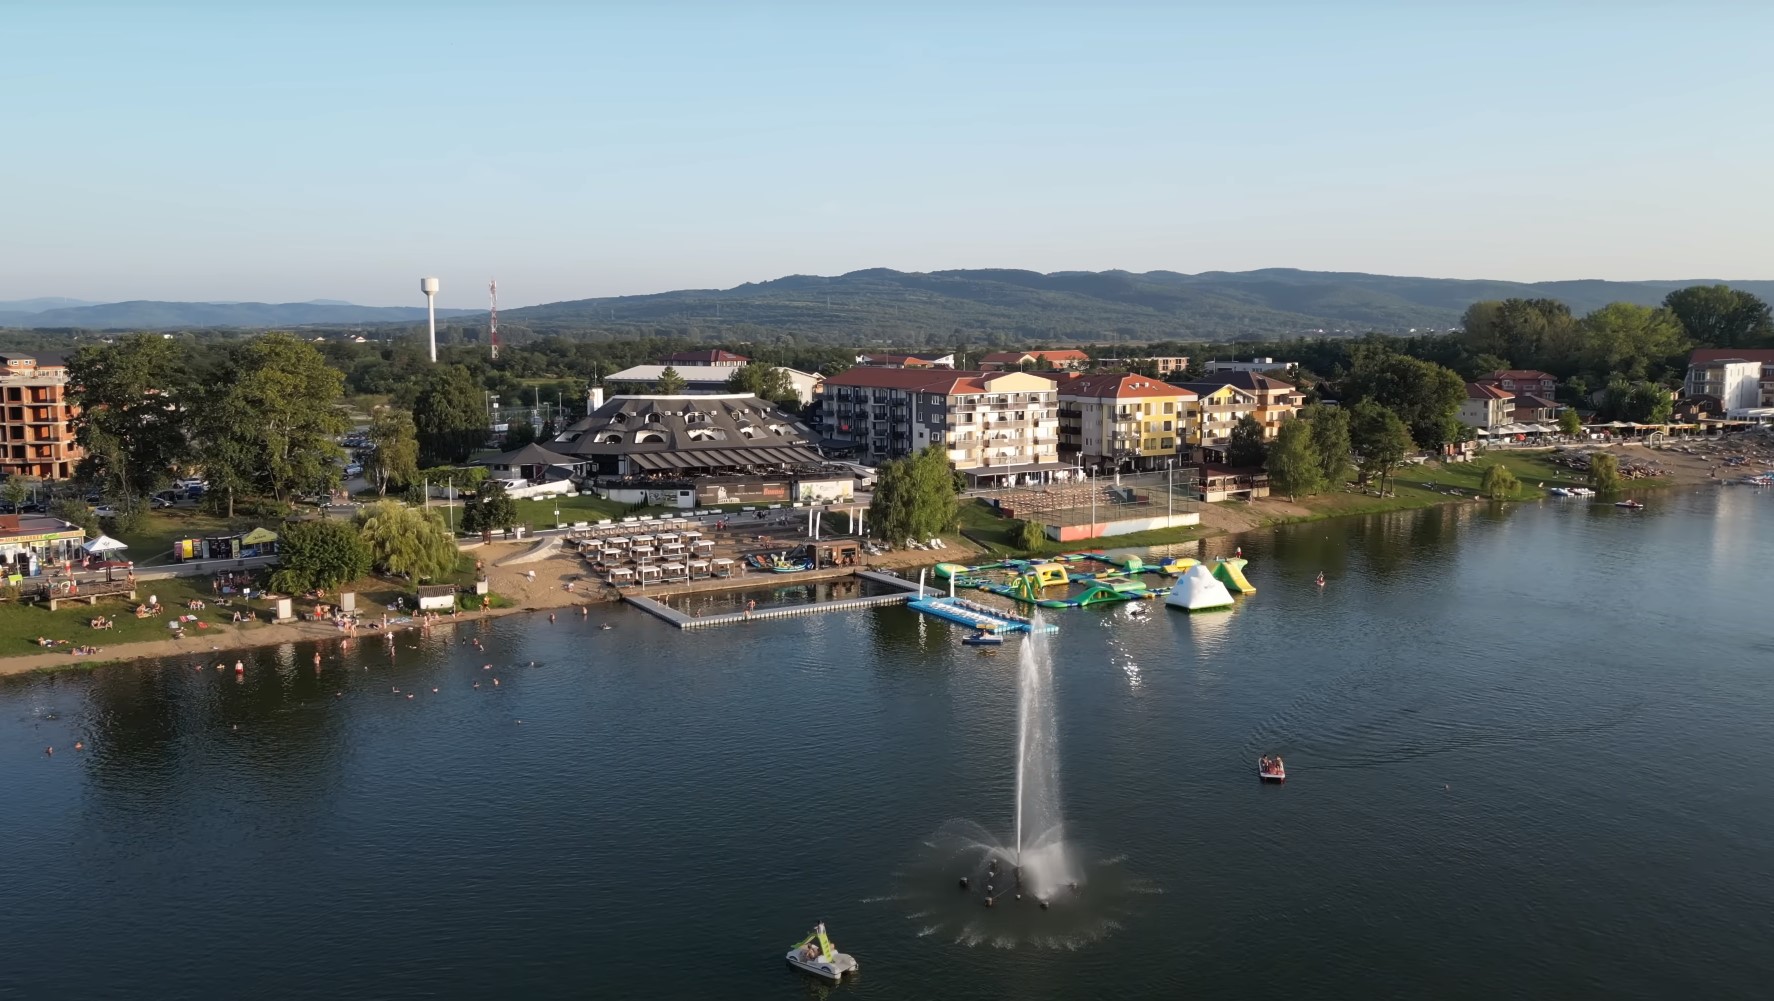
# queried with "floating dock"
point(977, 616)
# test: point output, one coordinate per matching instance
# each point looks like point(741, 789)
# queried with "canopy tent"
point(258, 536)
point(104, 544)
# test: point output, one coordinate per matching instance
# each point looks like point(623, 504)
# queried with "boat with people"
point(1271, 769)
point(985, 637)
point(1630, 504)
point(817, 955)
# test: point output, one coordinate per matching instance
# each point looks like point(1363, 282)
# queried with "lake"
point(1523, 744)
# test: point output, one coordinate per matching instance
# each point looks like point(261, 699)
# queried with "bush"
point(319, 554)
point(1030, 536)
point(1499, 483)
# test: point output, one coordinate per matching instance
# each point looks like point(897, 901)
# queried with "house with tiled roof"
point(1486, 406)
point(1523, 380)
point(1116, 421)
point(1060, 359)
point(1222, 400)
point(997, 427)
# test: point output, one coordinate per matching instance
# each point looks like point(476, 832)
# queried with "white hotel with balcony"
point(998, 428)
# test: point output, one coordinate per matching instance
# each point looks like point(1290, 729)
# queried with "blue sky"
point(281, 151)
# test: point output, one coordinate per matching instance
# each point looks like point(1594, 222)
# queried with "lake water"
point(1526, 751)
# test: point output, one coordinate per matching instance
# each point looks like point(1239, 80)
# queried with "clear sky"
point(280, 151)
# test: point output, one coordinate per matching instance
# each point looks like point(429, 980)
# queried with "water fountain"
point(1033, 886)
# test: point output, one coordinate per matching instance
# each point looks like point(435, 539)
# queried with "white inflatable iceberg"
point(1198, 591)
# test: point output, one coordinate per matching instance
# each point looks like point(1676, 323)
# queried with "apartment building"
point(36, 426)
point(1121, 422)
point(1707, 375)
point(1061, 359)
point(1210, 417)
point(1524, 380)
point(1486, 406)
point(1270, 400)
point(997, 425)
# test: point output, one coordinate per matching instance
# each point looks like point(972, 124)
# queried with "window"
point(649, 438)
point(1170, 408)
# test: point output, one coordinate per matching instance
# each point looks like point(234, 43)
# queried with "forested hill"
point(881, 306)
point(149, 315)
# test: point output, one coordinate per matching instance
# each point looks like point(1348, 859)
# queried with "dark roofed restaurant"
point(677, 436)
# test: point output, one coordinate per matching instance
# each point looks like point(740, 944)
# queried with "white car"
point(104, 511)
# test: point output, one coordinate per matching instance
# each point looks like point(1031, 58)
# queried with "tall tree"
point(1424, 395)
point(766, 382)
point(133, 421)
point(1640, 402)
point(1245, 446)
point(1720, 316)
point(450, 415)
point(491, 510)
point(269, 422)
point(1294, 466)
point(670, 382)
point(1380, 439)
point(323, 554)
point(407, 541)
point(1531, 333)
point(395, 462)
point(1637, 342)
point(915, 498)
point(519, 434)
point(1604, 472)
point(1330, 440)
point(1498, 483)
point(1570, 422)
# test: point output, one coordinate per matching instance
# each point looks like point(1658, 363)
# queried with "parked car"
point(159, 501)
point(191, 484)
point(355, 469)
point(104, 511)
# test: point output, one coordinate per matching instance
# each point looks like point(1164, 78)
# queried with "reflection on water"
point(774, 595)
point(1503, 729)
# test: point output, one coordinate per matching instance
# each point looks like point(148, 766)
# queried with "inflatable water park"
point(1084, 580)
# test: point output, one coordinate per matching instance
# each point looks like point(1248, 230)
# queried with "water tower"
point(429, 287)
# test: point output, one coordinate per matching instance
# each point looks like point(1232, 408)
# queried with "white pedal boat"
point(815, 954)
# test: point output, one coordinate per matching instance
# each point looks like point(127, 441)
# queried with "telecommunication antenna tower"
point(493, 319)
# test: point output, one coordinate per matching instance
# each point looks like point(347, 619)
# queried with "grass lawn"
point(152, 543)
point(21, 624)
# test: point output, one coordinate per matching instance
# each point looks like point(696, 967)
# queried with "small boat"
point(1271, 769)
point(1559, 492)
point(817, 955)
point(1630, 503)
point(984, 637)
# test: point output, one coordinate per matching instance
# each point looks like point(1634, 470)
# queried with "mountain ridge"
point(149, 314)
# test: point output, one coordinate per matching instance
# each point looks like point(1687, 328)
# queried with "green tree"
point(132, 421)
point(519, 434)
point(1294, 466)
point(1604, 472)
point(1498, 483)
point(915, 498)
point(16, 491)
point(320, 554)
point(1380, 439)
point(766, 382)
point(1639, 402)
point(1030, 536)
point(1424, 395)
point(268, 424)
point(1245, 445)
point(491, 510)
point(670, 382)
point(1570, 422)
point(74, 511)
point(395, 462)
point(1330, 440)
point(1632, 341)
point(1531, 333)
point(1720, 316)
point(450, 415)
point(407, 541)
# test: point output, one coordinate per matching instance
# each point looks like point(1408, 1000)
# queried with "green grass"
point(152, 542)
point(21, 624)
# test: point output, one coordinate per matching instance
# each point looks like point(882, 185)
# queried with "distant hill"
point(40, 304)
point(882, 306)
point(146, 315)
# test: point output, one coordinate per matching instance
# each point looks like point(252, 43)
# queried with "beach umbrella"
point(104, 544)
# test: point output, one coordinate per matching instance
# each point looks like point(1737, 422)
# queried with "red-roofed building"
point(1064, 358)
point(1486, 406)
point(1116, 421)
point(996, 426)
point(712, 356)
point(1524, 380)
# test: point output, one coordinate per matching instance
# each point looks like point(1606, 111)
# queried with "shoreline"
point(547, 593)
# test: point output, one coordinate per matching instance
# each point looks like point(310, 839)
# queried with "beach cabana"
point(673, 571)
point(648, 574)
point(722, 567)
point(698, 569)
point(620, 577)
